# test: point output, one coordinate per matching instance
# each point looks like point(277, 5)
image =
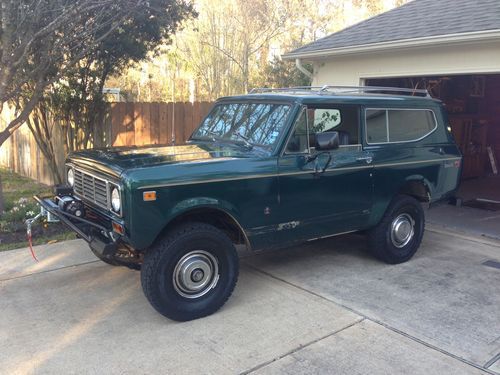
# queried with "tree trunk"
point(39, 127)
point(54, 170)
point(20, 117)
point(4, 135)
point(1, 197)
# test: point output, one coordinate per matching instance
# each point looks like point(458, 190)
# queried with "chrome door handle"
point(367, 159)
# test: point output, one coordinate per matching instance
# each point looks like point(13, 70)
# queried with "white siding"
point(419, 61)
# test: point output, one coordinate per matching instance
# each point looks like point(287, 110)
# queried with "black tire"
point(391, 245)
point(111, 262)
point(162, 275)
point(108, 261)
point(117, 263)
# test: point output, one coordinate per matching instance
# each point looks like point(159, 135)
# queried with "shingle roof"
point(416, 19)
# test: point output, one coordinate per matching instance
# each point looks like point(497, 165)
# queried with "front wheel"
point(398, 235)
point(117, 262)
point(191, 272)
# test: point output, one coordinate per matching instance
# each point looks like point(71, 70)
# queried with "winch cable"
point(30, 243)
point(29, 222)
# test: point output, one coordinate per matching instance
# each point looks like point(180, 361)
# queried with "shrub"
point(13, 219)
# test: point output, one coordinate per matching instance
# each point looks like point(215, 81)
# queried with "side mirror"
point(327, 141)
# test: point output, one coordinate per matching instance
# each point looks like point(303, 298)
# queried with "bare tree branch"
point(41, 40)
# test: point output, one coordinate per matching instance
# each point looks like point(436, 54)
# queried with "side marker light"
point(118, 228)
point(148, 196)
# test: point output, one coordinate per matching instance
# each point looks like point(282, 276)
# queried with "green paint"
point(275, 197)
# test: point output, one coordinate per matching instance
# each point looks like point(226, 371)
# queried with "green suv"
point(264, 170)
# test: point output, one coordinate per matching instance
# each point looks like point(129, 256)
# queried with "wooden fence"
point(155, 123)
point(128, 124)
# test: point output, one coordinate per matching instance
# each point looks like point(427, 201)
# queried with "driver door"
point(316, 203)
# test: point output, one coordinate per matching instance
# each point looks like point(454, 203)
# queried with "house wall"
point(450, 59)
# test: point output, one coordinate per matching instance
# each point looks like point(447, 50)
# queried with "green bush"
point(13, 219)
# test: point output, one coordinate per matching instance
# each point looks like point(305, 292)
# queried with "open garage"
point(452, 49)
point(473, 105)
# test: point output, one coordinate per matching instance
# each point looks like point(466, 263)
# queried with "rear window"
point(398, 125)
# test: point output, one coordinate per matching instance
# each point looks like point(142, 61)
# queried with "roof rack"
point(296, 89)
point(329, 89)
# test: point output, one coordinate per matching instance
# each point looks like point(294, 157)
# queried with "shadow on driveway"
point(323, 307)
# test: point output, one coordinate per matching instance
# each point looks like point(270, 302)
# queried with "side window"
point(410, 125)
point(324, 120)
point(341, 119)
point(398, 125)
point(299, 141)
point(376, 126)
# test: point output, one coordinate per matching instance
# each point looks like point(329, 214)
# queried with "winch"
point(71, 205)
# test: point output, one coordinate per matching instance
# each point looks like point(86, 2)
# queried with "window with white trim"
point(398, 125)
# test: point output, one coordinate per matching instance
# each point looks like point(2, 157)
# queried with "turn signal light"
point(118, 228)
point(148, 196)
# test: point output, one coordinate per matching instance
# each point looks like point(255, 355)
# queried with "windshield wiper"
point(209, 134)
point(215, 137)
point(245, 140)
point(213, 134)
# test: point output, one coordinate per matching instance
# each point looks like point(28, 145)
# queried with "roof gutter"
point(300, 67)
point(476, 36)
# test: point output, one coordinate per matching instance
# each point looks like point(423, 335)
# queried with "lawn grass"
point(16, 186)
point(18, 194)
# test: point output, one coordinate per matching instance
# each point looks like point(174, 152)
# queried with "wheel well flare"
point(218, 218)
point(416, 189)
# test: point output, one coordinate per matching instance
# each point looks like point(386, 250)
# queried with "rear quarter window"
point(376, 126)
point(398, 125)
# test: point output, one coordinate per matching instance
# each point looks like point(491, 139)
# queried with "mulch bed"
point(37, 231)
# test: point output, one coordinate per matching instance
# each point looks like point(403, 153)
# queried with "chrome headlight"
point(116, 201)
point(70, 177)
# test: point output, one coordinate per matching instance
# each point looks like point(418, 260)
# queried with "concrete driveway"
point(324, 307)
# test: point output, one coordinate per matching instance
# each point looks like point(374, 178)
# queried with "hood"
point(116, 160)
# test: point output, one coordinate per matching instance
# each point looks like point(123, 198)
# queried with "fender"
point(423, 181)
point(200, 204)
point(203, 202)
point(409, 185)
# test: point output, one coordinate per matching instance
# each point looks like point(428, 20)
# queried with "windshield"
point(250, 123)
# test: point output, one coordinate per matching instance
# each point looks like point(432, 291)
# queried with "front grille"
point(91, 188)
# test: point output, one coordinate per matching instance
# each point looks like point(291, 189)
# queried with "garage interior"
point(473, 106)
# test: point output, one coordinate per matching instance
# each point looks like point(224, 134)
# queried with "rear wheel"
point(398, 235)
point(191, 272)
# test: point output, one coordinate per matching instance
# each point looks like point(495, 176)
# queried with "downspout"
point(300, 67)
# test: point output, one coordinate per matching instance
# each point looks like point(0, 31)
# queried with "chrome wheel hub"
point(402, 230)
point(195, 274)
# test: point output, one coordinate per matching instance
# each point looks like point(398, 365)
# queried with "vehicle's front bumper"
point(99, 237)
